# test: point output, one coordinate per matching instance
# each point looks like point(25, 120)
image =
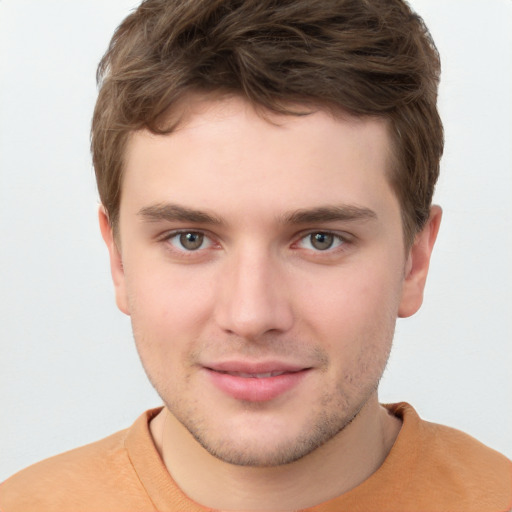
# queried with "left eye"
point(321, 241)
point(189, 241)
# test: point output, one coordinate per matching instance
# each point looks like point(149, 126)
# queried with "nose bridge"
point(253, 299)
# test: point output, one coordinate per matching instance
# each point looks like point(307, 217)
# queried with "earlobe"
point(416, 268)
point(116, 262)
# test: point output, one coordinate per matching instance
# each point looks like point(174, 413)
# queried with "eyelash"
point(337, 239)
point(168, 237)
point(341, 240)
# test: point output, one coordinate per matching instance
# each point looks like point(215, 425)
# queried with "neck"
point(331, 470)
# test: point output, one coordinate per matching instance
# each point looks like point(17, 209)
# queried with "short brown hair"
point(363, 57)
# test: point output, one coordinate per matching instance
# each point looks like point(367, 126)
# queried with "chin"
point(266, 442)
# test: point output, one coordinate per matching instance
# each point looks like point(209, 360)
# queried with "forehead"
point(227, 156)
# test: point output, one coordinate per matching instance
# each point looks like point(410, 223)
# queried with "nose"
point(253, 297)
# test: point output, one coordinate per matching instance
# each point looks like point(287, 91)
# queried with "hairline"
point(180, 112)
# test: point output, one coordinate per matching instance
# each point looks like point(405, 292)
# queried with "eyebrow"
point(172, 212)
point(329, 214)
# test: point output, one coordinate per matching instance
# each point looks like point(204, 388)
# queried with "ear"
point(116, 262)
point(416, 268)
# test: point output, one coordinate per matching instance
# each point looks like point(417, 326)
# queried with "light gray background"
point(69, 373)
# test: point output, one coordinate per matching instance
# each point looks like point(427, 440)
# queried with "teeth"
point(255, 375)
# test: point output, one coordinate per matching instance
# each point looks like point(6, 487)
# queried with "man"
point(266, 172)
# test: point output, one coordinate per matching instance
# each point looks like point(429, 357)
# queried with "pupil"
point(191, 241)
point(322, 241)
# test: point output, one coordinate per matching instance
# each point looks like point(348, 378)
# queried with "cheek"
point(165, 312)
point(354, 306)
point(167, 302)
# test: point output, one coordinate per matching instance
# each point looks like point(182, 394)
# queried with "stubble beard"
point(313, 436)
point(332, 414)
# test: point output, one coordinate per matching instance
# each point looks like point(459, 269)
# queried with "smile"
point(256, 385)
point(256, 375)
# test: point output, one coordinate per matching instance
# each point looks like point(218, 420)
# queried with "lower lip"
point(253, 389)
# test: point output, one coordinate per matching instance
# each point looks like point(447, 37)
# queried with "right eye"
point(189, 241)
point(321, 241)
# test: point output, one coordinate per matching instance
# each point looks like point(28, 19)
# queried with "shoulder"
point(454, 466)
point(448, 445)
point(96, 475)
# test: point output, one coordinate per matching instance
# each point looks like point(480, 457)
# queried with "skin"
point(258, 289)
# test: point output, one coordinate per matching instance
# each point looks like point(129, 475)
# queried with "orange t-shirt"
point(431, 468)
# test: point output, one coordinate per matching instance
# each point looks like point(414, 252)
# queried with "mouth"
point(256, 382)
point(264, 375)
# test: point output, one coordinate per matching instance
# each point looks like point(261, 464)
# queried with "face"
point(262, 264)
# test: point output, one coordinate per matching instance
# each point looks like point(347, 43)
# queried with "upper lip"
point(254, 367)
